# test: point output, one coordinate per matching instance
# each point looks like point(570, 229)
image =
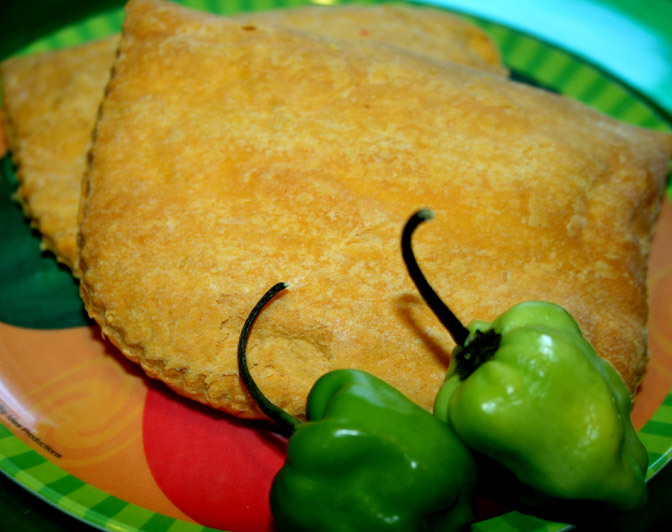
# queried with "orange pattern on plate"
point(74, 399)
point(658, 379)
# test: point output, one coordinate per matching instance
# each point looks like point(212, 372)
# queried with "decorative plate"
point(85, 430)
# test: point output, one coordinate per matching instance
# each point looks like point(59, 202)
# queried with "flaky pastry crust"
point(230, 157)
point(51, 100)
point(50, 104)
point(427, 31)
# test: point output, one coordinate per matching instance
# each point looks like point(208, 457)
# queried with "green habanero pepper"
point(368, 459)
point(529, 392)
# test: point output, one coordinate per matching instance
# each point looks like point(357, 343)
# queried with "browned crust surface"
point(50, 103)
point(51, 100)
point(229, 158)
point(424, 30)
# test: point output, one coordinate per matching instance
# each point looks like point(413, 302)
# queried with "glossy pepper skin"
point(367, 459)
point(548, 408)
point(530, 392)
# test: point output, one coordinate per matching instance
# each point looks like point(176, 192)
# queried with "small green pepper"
point(368, 459)
point(530, 392)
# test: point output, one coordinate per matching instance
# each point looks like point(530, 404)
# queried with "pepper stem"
point(286, 422)
point(454, 326)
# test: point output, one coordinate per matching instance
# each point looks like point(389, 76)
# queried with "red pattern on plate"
point(213, 467)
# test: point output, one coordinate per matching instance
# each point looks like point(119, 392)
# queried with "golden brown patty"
point(50, 103)
point(229, 158)
point(423, 30)
point(51, 100)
